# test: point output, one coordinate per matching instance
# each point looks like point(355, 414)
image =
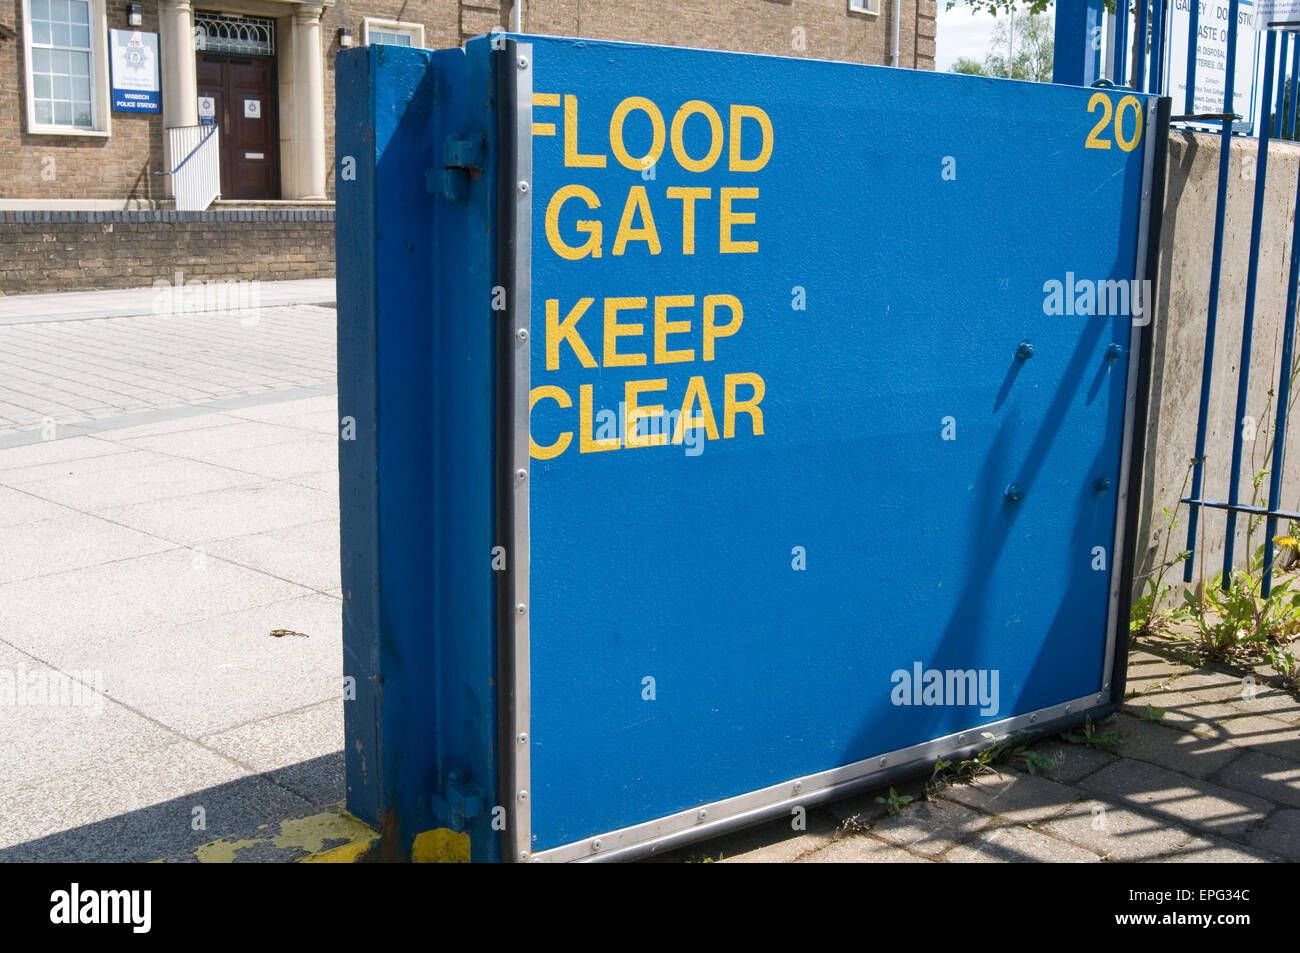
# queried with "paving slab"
point(1177, 799)
point(1274, 779)
point(1279, 835)
point(69, 541)
point(861, 849)
point(1117, 833)
point(1170, 747)
point(929, 828)
point(1013, 844)
point(1071, 762)
point(1019, 798)
point(307, 554)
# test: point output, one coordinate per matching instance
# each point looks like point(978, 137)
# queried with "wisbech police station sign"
point(136, 85)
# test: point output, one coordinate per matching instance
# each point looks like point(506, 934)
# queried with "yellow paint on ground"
point(440, 846)
point(349, 838)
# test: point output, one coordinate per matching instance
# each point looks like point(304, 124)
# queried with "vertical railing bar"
point(1283, 393)
point(1140, 66)
point(1216, 268)
point(1279, 112)
point(1193, 47)
point(1295, 87)
point(1248, 319)
point(1156, 75)
point(1121, 42)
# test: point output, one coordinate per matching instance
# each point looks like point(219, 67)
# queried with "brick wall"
point(88, 167)
point(78, 251)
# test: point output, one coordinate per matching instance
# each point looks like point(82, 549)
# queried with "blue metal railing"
point(1276, 108)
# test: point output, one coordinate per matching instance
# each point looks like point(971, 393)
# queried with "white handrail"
point(196, 181)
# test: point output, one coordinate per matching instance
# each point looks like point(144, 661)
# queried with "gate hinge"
point(462, 163)
point(464, 801)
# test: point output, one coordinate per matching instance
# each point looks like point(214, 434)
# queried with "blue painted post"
point(1077, 58)
point(1140, 67)
point(1156, 75)
point(1295, 87)
point(1216, 265)
point(1248, 323)
point(1121, 42)
point(1279, 112)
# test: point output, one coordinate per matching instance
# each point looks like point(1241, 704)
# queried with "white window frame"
point(869, 8)
point(99, 93)
point(414, 30)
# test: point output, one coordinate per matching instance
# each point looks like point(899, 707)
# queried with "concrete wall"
point(1179, 340)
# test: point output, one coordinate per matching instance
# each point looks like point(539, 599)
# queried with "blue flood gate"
point(728, 432)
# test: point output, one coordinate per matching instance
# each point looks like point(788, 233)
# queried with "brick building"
point(98, 96)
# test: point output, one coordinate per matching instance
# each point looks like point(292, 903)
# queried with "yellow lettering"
point(733, 406)
point(711, 304)
point(589, 227)
point(637, 201)
point(566, 330)
point(561, 397)
point(727, 218)
point(616, 133)
point(614, 330)
point(545, 99)
point(696, 390)
point(715, 145)
point(586, 426)
point(738, 115)
point(634, 413)
point(688, 197)
point(664, 327)
point(573, 158)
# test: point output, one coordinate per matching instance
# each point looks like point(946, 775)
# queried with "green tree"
point(1021, 48)
point(970, 67)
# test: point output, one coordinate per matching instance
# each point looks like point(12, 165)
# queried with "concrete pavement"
point(169, 499)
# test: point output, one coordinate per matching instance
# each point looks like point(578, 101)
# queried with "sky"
point(961, 33)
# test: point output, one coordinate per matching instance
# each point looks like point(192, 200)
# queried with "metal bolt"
point(1025, 351)
point(960, 739)
point(1069, 708)
point(1014, 493)
point(702, 815)
point(523, 188)
point(523, 62)
point(521, 475)
point(798, 786)
point(521, 609)
point(521, 335)
point(522, 738)
point(523, 855)
point(595, 845)
point(1102, 484)
point(1032, 719)
point(522, 796)
point(1113, 352)
point(883, 762)
point(1101, 698)
point(1106, 686)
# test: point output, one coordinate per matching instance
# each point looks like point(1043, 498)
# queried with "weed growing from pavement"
point(1091, 736)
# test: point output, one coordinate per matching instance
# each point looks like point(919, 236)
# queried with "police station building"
point(109, 105)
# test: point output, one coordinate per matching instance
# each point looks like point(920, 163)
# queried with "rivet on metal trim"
point(523, 62)
point(521, 609)
point(523, 188)
point(595, 845)
point(521, 475)
point(521, 335)
point(522, 796)
point(522, 738)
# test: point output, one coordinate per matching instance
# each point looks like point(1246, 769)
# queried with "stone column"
point(180, 97)
point(304, 171)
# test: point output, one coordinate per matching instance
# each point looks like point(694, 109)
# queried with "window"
point(392, 32)
point(67, 89)
point(864, 6)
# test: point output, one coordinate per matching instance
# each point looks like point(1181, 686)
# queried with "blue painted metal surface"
point(415, 484)
point(716, 614)
point(1077, 42)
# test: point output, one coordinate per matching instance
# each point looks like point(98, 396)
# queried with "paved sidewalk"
point(1215, 778)
point(149, 554)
